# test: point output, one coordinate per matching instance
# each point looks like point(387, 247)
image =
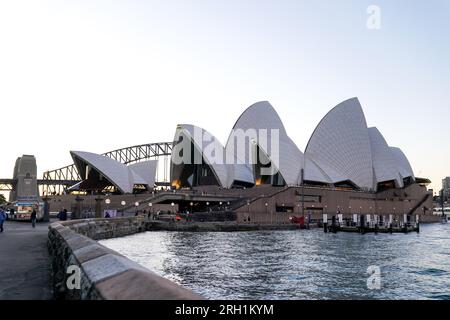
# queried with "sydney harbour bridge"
point(58, 180)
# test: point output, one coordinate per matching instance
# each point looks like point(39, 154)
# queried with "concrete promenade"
point(24, 262)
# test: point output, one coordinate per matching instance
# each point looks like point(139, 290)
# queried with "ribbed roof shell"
point(146, 171)
point(404, 167)
point(340, 145)
point(384, 163)
point(117, 173)
point(202, 139)
point(121, 176)
point(289, 160)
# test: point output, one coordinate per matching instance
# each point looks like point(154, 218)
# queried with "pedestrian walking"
point(33, 218)
point(2, 219)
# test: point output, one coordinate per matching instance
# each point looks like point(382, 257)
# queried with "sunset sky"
point(100, 75)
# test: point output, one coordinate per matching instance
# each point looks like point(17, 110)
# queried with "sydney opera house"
point(262, 176)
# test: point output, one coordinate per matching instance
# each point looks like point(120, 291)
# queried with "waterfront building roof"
point(341, 150)
point(93, 166)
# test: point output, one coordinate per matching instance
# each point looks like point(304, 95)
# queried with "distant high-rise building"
point(446, 188)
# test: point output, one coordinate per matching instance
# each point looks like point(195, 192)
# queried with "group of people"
point(3, 217)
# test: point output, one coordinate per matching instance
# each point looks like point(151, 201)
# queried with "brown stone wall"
point(395, 201)
point(58, 203)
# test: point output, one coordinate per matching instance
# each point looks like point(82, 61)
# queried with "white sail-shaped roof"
point(124, 178)
point(404, 167)
point(340, 145)
point(262, 116)
point(314, 173)
point(384, 164)
point(117, 173)
point(211, 149)
point(341, 149)
point(146, 171)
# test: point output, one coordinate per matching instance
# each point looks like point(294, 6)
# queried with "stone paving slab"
point(24, 262)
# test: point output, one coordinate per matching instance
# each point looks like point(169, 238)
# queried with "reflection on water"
point(297, 264)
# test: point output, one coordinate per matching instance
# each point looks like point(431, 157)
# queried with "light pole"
point(123, 203)
point(395, 217)
point(303, 188)
point(136, 204)
point(108, 202)
point(267, 210)
point(172, 205)
point(151, 209)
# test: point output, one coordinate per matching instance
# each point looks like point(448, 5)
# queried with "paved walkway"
point(24, 262)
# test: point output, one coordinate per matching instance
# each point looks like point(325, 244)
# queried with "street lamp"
point(267, 209)
point(136, 204)
point(107, 201)
point(172, 205)
point(123, 203)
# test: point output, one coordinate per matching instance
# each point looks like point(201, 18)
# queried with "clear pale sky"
point(100, 75)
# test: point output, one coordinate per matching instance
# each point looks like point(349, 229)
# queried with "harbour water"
point(301, 264)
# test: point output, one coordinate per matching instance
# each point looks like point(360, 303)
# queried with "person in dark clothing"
point(62, 215)
point(33, 218)
point(2, 219)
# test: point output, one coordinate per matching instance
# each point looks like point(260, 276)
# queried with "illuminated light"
point(258, 182)
point(176, 184)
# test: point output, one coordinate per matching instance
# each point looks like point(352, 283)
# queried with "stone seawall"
point(103, 273)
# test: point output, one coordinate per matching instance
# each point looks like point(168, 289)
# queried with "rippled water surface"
point(297, 264)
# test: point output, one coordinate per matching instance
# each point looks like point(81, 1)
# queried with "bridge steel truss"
point(6, 184)
point(69, 175)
